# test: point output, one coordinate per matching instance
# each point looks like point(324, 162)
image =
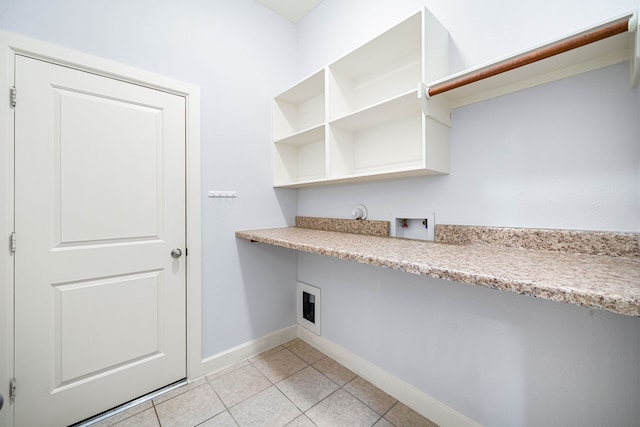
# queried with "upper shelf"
point(559, 64)
point(300, 108)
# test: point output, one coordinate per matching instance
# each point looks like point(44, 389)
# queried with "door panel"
point(91, 206)
point(100, 204)
point(127, 338)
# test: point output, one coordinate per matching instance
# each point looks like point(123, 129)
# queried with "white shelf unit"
point(386, 66)
point(358, 119)
point(373, 124)
point(299, 132)
point(379, 139)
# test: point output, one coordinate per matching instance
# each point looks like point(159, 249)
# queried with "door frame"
point(11, 45)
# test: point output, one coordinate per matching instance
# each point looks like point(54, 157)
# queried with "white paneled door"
point(99, 207)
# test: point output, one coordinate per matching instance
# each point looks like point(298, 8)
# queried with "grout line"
point(227, 408)
point(339, 387)
point(233, 418)
point(274, 384)
point(366, 404)
point(136, 403)
point(389, 410)
point(155, 411)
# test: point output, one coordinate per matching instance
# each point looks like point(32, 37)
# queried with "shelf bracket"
point(438, 110)
point(634, 27)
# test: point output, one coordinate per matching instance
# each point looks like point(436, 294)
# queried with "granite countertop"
point(610, 283)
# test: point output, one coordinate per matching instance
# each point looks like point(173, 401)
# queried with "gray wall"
point(561, 155)
point(241, 55)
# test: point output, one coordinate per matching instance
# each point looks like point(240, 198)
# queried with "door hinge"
point(12, 390)
point(13, 242)
point(12, 97)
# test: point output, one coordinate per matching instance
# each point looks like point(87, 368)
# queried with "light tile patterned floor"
point(291, 385)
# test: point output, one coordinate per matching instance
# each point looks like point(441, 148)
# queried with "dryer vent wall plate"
point(308, 307)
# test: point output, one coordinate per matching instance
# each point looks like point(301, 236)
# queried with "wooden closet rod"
point(537, 55)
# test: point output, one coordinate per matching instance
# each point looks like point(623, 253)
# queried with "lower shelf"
point(299, 163)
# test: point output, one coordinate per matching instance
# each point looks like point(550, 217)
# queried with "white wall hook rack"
point(218, 194)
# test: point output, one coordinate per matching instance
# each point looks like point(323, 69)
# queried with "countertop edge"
point(604, 301)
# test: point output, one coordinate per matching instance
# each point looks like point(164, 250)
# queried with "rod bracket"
point(634, 72)
point(436, 108)
point(633, 22)
point(423, 97)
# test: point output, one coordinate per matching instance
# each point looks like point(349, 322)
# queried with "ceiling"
point(293, 10)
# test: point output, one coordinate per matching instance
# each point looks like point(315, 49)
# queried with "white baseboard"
point(244, 351)
point(390, 384)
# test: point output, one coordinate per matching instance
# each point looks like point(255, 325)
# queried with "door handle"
point(176, 253)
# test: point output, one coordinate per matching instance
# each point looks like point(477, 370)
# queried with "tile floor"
point(291, 385)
